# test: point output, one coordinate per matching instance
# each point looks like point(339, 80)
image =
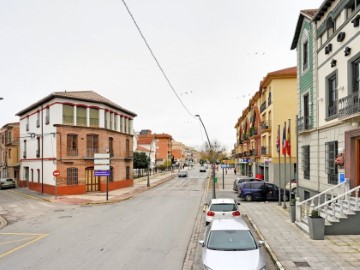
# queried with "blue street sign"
point(101, 173)
point(341, 177)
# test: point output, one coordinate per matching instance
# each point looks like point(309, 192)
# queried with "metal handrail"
point(308, 204)
point(338, 197)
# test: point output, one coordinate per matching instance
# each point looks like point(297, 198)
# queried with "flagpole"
point(289, 152)
point(278, 150)
point(284, 153)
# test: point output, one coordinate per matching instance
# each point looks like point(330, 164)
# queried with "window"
point(351, 6)
point(81, 116)
point(72, 145)
point(330, 26)
point(115, 121)
point(121, 123)
point(25, 146)
point(27, 124)
point(32, 175)
point(356, 75)
point(127, 172)
point(38, 119)
point(106, 119)
point(92, 145)
point(305, 56)
point(331, 96)
point(94, 117)
point(111, 146)
point(127, 148)
point(306, 161)
point(38, 147)
point(9, 155)
point(306, 195)
point(71, 176)
point(331, 167)
point(111, 120)
point(68, 114)
point(38, 175)
point(111, 176)
point(47, 116)
point(306, 111)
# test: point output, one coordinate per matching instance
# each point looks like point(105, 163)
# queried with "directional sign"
point(101, 156)
point(101, 173)
point(102, 167)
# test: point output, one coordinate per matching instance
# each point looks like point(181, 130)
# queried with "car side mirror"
point(261, 243)
point(202, 243)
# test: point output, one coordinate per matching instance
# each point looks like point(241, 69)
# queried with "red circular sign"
point(56, 173)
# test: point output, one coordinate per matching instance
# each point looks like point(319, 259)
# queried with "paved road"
point(151, 231)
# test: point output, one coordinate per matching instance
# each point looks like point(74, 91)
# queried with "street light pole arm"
point(207, 136)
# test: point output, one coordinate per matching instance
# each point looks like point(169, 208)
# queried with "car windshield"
point(231, 240)
point(223, 207)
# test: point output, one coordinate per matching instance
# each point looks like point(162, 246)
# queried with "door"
point(357, 162)
point(92, 181)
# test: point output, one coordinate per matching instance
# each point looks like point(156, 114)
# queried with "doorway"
point(92, 181)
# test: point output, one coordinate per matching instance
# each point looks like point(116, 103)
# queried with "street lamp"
point(211, 151)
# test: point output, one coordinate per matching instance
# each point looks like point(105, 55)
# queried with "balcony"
point(349, 105)
point(265, 151)
point(263, 107)
point(253, 132)
point(90, 152)
point(303, 123)
point(245, 137)
point(72, 152)
point(253, 152)
point(265, 126)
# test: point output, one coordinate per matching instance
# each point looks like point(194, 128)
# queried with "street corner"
point(71, 201)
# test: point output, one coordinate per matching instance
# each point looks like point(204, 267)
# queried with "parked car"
point(222, 208)
point(182, 173)
point(260, 190)
point(229, 244)
point(202, 169)
point(7, 183)
point(242, 179)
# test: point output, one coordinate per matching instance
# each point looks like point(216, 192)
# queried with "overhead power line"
point(156, 60)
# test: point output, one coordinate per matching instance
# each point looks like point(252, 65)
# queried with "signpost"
point(102, 168)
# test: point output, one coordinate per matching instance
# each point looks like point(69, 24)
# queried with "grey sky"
point(215, 53)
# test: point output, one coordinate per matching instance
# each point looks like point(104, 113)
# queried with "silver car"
point(7, 183)
point(230, 245)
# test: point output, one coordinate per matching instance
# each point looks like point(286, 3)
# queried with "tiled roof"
point(145, 140)
point(278, 74)
point(88, 96)
point(142, 149)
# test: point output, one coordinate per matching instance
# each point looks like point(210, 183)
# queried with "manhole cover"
point(302, 264)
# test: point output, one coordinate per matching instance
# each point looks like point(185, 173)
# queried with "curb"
point(272, 254)
point(131, 194)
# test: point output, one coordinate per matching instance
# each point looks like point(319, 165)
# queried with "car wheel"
point(248, 198)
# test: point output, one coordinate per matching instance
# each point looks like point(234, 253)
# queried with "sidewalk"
point(289, 246)
point(140, 185)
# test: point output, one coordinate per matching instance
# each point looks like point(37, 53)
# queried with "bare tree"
point(213, 154)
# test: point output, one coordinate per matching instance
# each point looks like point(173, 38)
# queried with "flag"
point(283, 145)
point(288, 143)
point(278, 140)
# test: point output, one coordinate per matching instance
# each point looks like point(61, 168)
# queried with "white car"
point(222, 208)
point(230, 245)
point(182, 173)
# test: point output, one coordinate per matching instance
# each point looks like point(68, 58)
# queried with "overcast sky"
point(214, 52)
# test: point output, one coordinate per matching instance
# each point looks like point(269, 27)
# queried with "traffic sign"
point(56, 173)
point(102, 173)
point(101, 156)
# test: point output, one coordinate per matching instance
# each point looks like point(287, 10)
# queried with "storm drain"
point(301, 264)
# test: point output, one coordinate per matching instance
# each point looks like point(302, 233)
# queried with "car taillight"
point(210, 214)
point(236, 214)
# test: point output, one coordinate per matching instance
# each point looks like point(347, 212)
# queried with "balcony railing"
point(91, 151)
point(245, 137)
point(263, 106)
point(253, 132)
point(349, 105)
point(265, 151)
point(303, 123)
point(72, 152)
point(253, 152)
point(265, 125)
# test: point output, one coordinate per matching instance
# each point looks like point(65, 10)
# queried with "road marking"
point(35, 237)
point(32, 197)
